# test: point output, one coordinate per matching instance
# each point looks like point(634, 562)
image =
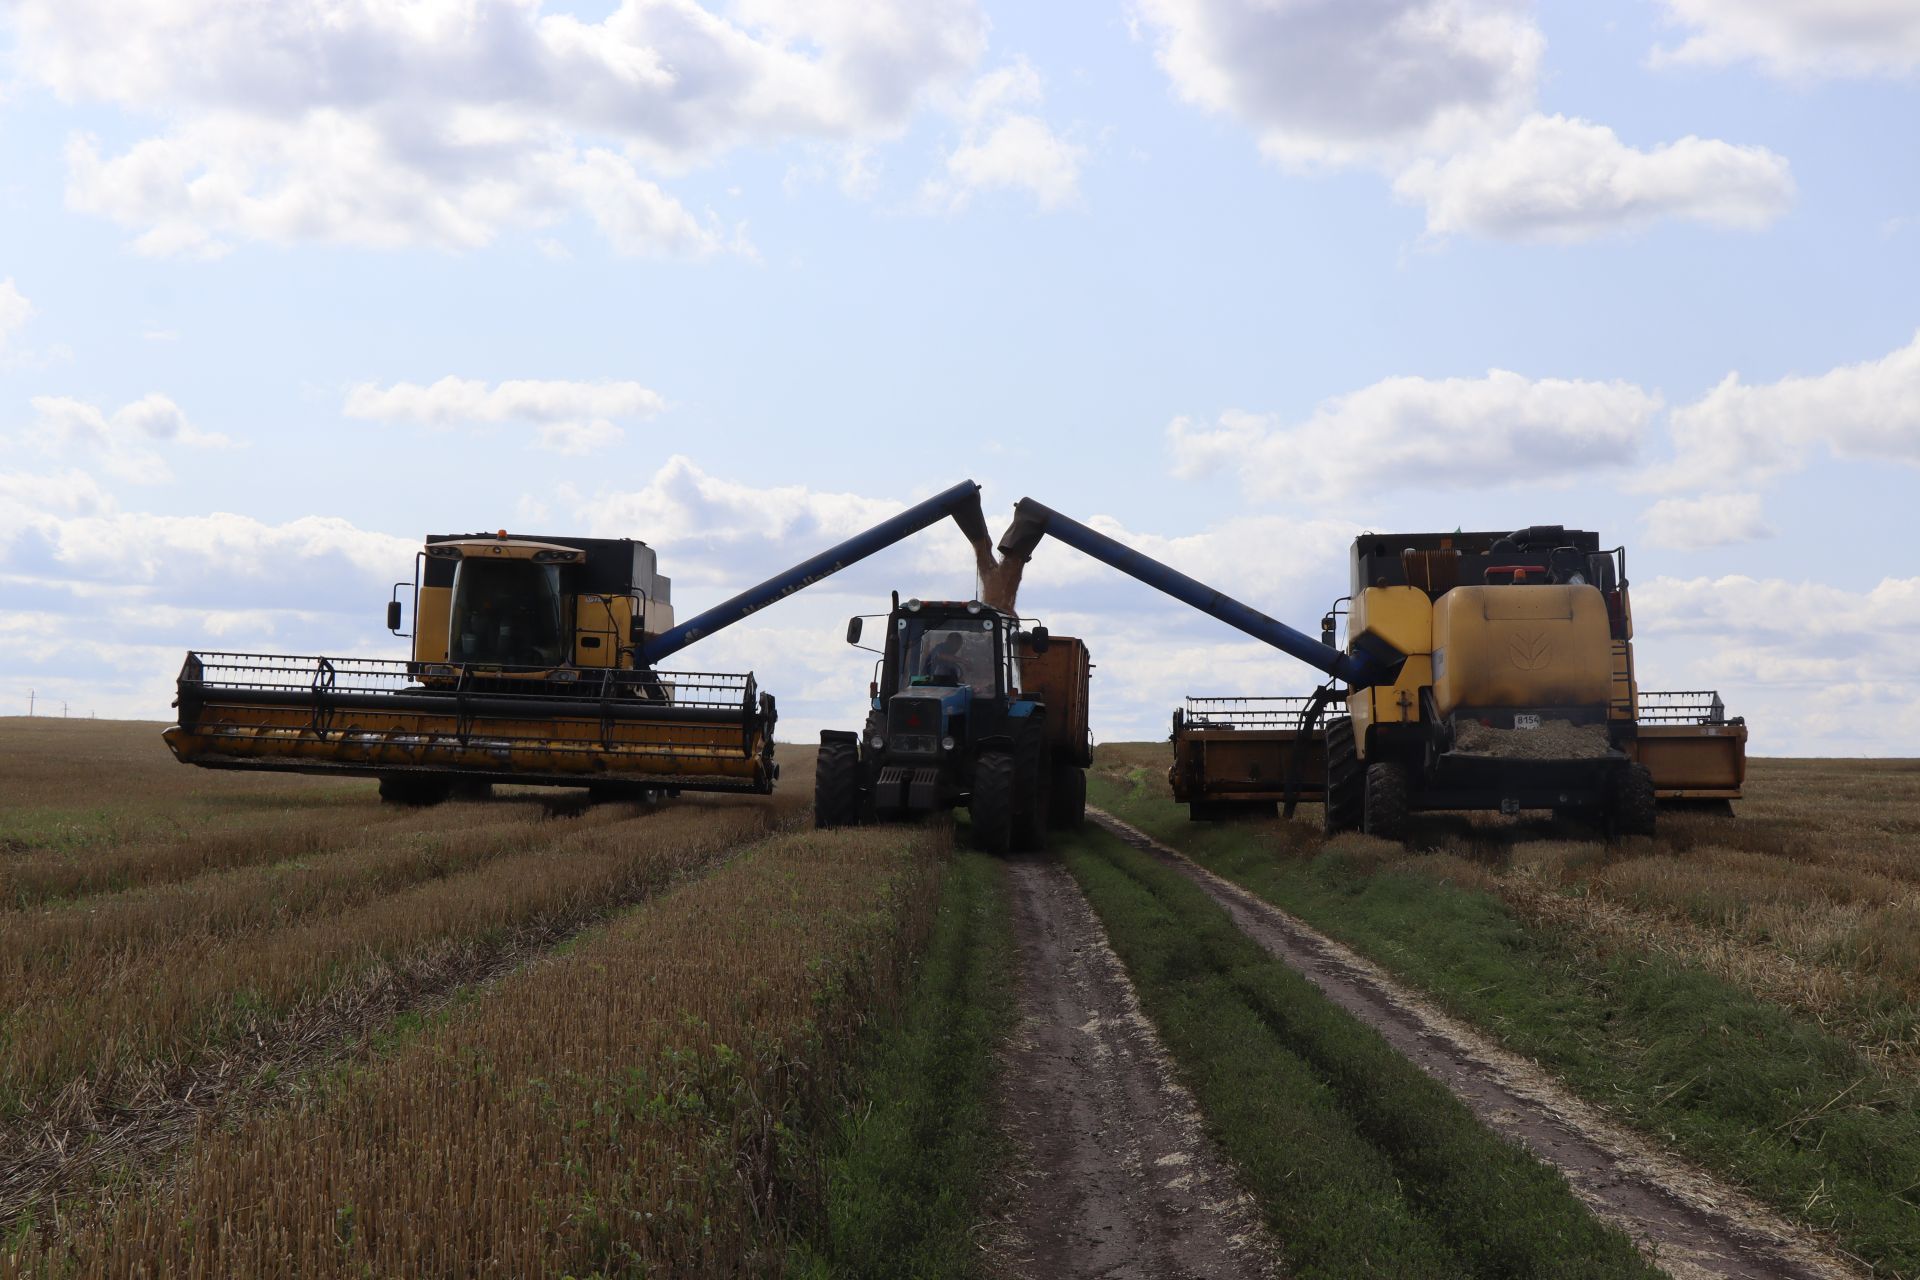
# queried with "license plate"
point(1526, 721)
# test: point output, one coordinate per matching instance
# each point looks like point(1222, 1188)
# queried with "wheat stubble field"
point(268, 1026)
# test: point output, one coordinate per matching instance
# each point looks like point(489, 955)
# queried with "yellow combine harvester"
point(524, 669)
point(1516, 690)
point(535, 660)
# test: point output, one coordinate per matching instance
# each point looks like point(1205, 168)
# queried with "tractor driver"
point(944, 663)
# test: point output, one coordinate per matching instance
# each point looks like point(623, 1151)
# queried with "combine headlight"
point(947, 743)
point(877, 742)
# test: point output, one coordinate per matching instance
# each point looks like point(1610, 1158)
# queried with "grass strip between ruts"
point(909, 1168)
point(1363, 1165)
point(1759, 1095)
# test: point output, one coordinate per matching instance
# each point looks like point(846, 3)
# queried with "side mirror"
point(853, 630)
point(1327, 630)
point(1039, 639)
point(393, 615)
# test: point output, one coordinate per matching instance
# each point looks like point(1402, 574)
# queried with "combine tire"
point(414, 789)
point(1388, 801)
point(836, 786)
point(1631, 805)
point(1346, 779)
point(993, 802)
point(1068, 797)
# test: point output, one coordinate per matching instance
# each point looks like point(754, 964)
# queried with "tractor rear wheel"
point(1068, 797)
point(836, 785)
point(991, 808)
point(1631, 806)
point(1388, 801)
point(1346, 779)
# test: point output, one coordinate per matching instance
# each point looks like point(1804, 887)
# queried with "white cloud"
point(1352, 81)
point(571, 418)
point(1712, 520)
point(1816, 669)
point(120, 439)
point(1003, 148)
point(15, 311)
point(1432, 433)
point(452, 401)
point(1738, 434)
point(446, 121)
point(1020, 153)
point(1560, 179)
point(577, 439)
point(1441, 94)
point(1799, 38)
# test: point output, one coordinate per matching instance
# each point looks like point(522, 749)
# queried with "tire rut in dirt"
point(1689, 1222)
point(1117, 1177)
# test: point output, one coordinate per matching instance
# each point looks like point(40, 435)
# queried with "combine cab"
point(526, 667)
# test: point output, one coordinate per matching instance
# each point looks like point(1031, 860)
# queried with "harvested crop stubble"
point(39, 875)
point(637, 1106)
point(99, 1023)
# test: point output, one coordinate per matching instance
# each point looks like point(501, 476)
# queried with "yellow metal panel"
point(602, 626)
point(1694, 760)
point(430, 624)
point(1400, 616)
point(1522, 646)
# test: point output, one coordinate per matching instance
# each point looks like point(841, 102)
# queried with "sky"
point(284, 288)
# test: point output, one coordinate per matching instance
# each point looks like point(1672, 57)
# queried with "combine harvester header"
point(534, 660)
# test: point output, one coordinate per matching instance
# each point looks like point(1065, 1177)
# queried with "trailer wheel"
point(418, 790)
point(1631, 806)
point(836, 786)
point(1346, 779)
point(991, 808)
point(1388, 801)
point(1032, 796)
point(1068, 797)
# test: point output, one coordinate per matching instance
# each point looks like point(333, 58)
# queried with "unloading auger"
point(534, 660)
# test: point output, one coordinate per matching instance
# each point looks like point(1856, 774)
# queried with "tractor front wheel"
point(992, 806)
point(836, 786)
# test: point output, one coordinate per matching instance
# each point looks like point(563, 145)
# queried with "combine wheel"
point(1630, 804)
point(1068, 797)
point(1387, 803)
point(1346, 779)
point(993, 802)
point(414, 789)
point(836, 786)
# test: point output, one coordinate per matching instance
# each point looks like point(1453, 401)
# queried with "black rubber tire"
point(468, 789)
point(991, 808)
point(1067, 799)
point(1346, 779)
point(1202, 811)
point(1631, 806)
point(1388, 803)
point(415, 789)
point(1032, 796)
point(836, 786)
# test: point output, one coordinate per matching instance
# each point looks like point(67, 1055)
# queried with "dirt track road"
point(1691, 1224)
point(1118, 1180)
